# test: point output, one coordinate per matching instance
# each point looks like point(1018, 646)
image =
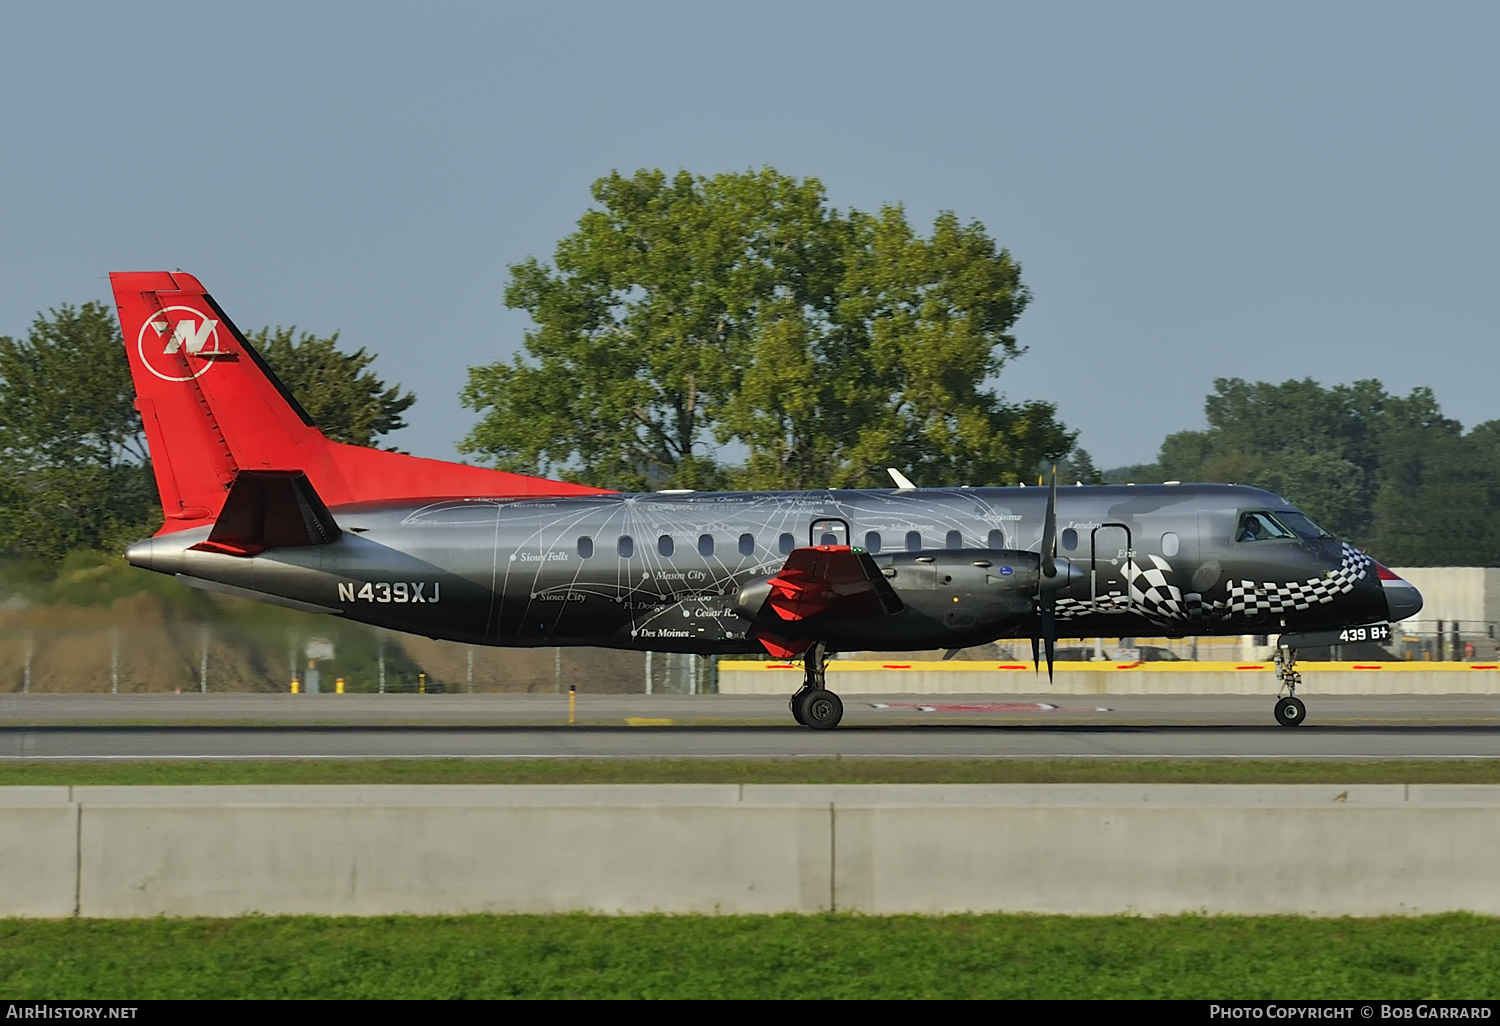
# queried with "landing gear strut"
point(814, 705)
point(1290, 712)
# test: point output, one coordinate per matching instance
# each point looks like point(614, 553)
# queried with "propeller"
point(1044, 597)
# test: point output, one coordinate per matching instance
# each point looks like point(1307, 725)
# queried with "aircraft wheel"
point(1290, 712)
point(795, 704)
point(819, 709)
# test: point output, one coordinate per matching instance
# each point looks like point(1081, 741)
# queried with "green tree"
point(1387, 472)
point(73, 470)
point(1319, 447)
point(893, 371)
point(344, 398)
point(740, 310)
point(1439, 499)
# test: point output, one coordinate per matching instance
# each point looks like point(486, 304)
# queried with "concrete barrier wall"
point(38, 852)
point(1080, 849)
point(902, 677)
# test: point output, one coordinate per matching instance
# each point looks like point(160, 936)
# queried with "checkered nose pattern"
point(1250, 597)
point(1152, 591)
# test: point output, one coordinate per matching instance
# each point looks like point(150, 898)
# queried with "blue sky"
point(1194, 190)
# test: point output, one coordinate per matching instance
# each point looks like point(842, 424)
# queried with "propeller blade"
point(1043, 597)
point(1049, 531)
point(1049, 635)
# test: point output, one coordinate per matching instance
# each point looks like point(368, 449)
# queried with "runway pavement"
point(248, 726)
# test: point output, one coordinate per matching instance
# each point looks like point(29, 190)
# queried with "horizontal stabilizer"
point(270, 509)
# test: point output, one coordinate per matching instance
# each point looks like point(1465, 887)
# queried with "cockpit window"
point(1302, 524)
point(1261, 526)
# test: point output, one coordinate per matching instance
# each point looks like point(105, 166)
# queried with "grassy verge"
point(1451, 956)
point(710, 771)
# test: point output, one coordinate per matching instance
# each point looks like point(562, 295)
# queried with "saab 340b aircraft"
point(260, 504)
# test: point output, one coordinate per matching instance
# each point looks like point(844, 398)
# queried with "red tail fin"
point(212, 408)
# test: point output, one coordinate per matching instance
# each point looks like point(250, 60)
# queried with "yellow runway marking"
point(646, 721)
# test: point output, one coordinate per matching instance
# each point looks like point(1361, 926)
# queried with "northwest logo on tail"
point(167, 342)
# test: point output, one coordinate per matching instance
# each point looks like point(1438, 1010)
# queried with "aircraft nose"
point(1402, 600)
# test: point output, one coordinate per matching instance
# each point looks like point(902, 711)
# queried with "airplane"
point(258, 503)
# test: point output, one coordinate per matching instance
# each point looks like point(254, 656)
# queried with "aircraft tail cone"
point(140, 554)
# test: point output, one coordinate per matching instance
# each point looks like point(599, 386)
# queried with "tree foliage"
point(1388, 472)
point(72, 454)
point(692, 315)
point(344, 398)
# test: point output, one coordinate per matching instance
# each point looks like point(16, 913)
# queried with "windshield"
point(1261, 526)
point(1302, 524)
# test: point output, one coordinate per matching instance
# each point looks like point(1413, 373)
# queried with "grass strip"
point(833, 956)
point(769, 771)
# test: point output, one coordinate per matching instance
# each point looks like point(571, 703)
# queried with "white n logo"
point(194, 336)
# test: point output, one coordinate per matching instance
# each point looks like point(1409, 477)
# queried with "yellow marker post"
point(421, 683)
point(572, 700)
point(338, 686)
point(296, 686)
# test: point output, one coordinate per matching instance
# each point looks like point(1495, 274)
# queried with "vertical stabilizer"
point(212, 408)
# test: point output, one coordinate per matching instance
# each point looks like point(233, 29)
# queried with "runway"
point(129, 727)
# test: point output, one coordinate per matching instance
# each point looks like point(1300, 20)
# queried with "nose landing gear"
point(1290, 712)
point(814, 705)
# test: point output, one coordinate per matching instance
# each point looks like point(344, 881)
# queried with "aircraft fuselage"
point(679, 571)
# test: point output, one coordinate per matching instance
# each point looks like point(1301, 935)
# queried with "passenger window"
point(705, 545)
point(872, 542)
point(1069, 539)
point(664, 545)
point(585, 546)
point(1169, 544)
point(747, 544)
point(913, 541)
point(1261, 526)
point(625, 546)
point(955, 540)
point(997, 539)
point(786, 543)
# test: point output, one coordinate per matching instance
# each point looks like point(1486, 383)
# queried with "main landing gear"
point(1290, 712)
point(814, 705)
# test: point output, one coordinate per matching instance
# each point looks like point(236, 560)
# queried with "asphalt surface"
point(126, 727)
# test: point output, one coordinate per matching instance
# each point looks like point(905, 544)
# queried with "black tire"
point(819, 709)
point(1290, 712)
point(795, 704)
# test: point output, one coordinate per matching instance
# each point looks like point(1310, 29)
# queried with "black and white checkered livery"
point(1247, 597)
point(1150, 592)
